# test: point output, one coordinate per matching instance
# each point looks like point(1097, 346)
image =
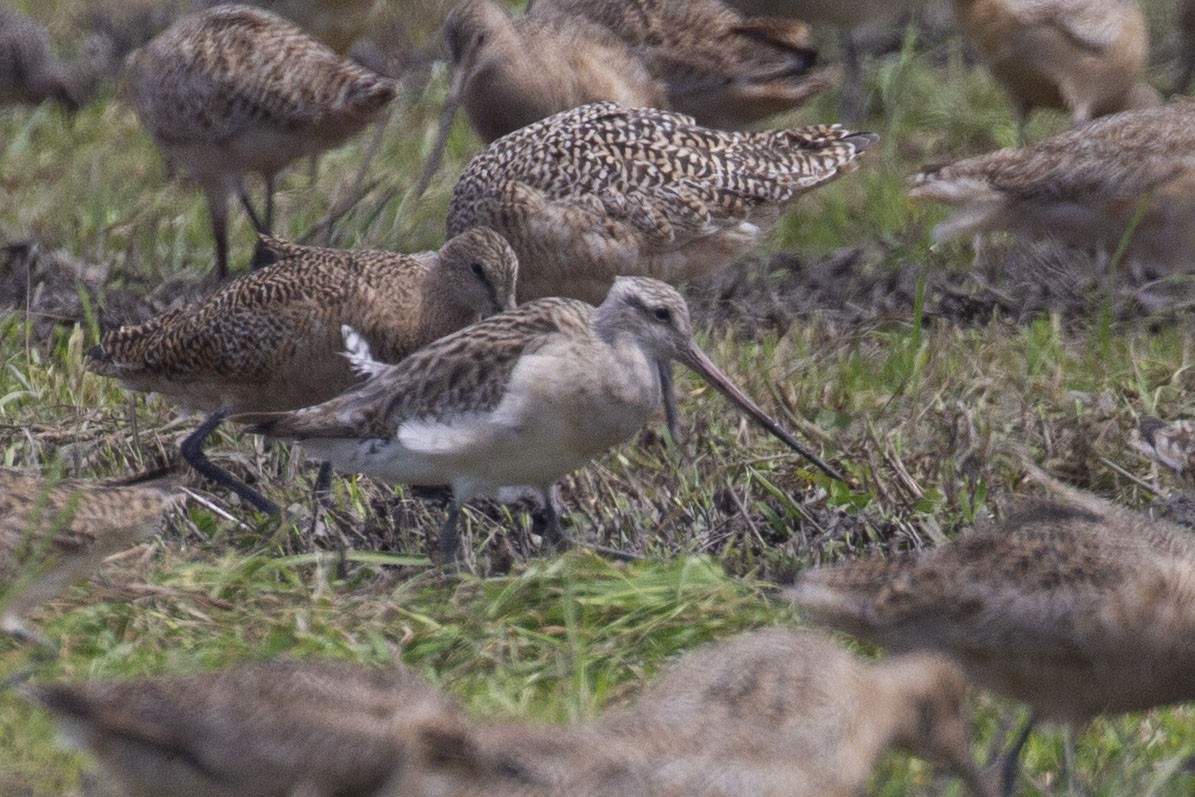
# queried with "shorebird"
point(509, 72)
point(1170, 444)
point(234, 90)
point(29, 71)
point(721, 68)
point(259, 730)
point(516, 400)
point(849, 16)
point(1131, 174)
point(601, 191)
point(271, 340)
point(53, 533)
point(794, 707)
point(1083, 56)
point(1078, 608)
point(772, 714)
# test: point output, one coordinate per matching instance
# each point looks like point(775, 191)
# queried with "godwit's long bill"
point(516, 400)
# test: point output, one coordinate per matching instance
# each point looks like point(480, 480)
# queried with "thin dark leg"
point(269, 220)
point(217, 208)
point(1008, 776)
point(852, 88)
point(321, 504)
point(450, 541)
point(254, 219)
point(668, 396)
point(553, 532)
point(192, 451)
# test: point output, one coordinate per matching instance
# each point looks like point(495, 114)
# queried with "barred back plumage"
point(600, 191)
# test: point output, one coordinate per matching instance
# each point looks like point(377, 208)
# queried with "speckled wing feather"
point(40, 516)
point(1123, 155)
point(244, 328)
point(221, 72)
point(673, 180)
point(466, 371)
point(994, 590)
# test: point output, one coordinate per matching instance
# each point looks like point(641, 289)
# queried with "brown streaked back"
point(271, 340)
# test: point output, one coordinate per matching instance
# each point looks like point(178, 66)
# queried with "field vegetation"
point(924, 371)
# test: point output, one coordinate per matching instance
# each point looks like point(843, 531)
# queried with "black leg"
point(1008, 777)
point(553, 532)
point(852, 88)
point(450, 541)
point(192, 451)
point(321, 504)
point(217, 208)
point(269, 219)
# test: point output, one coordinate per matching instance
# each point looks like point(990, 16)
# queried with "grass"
point(929, 412)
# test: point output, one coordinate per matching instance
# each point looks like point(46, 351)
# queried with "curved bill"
point(697, 360)
point(451, 106)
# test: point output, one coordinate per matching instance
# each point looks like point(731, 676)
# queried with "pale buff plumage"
point(601, 191)
point(1088, 187)
point(1083, 56)
point(336, 23)
point(777, 713)
point(234, 90)
point(283, 729)
point(716, 65)
point(55, 532)
point(519, 399)
point(271, 340)
point(512, 72)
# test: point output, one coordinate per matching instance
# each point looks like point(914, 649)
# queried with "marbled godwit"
point(601, 191)
point(849, 16)
point(1170, 444)
point(29, 71)
point(234, 90)
point(1128, 174)
point(519, 399)
point(53, 533)
point(512, 72)
point(1082, 56)
point(271, 340)
point(262, 730)
point(1077, 609)
point(795, 700)
point(721, 68)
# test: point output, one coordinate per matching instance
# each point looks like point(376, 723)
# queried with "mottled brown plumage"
point(519, 399)
point(1078, 608)
point(271, 340)
point(234, 90)
point(722, 68)
point(602, 191)
point(1083, 56)
point(282, 729)
point(54, 532)
point(512, 72)
point(1086, 187)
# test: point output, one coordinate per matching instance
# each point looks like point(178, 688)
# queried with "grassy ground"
point(924, 376)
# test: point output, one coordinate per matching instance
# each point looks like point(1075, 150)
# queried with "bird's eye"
point(477, 270)
point(663, 314)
